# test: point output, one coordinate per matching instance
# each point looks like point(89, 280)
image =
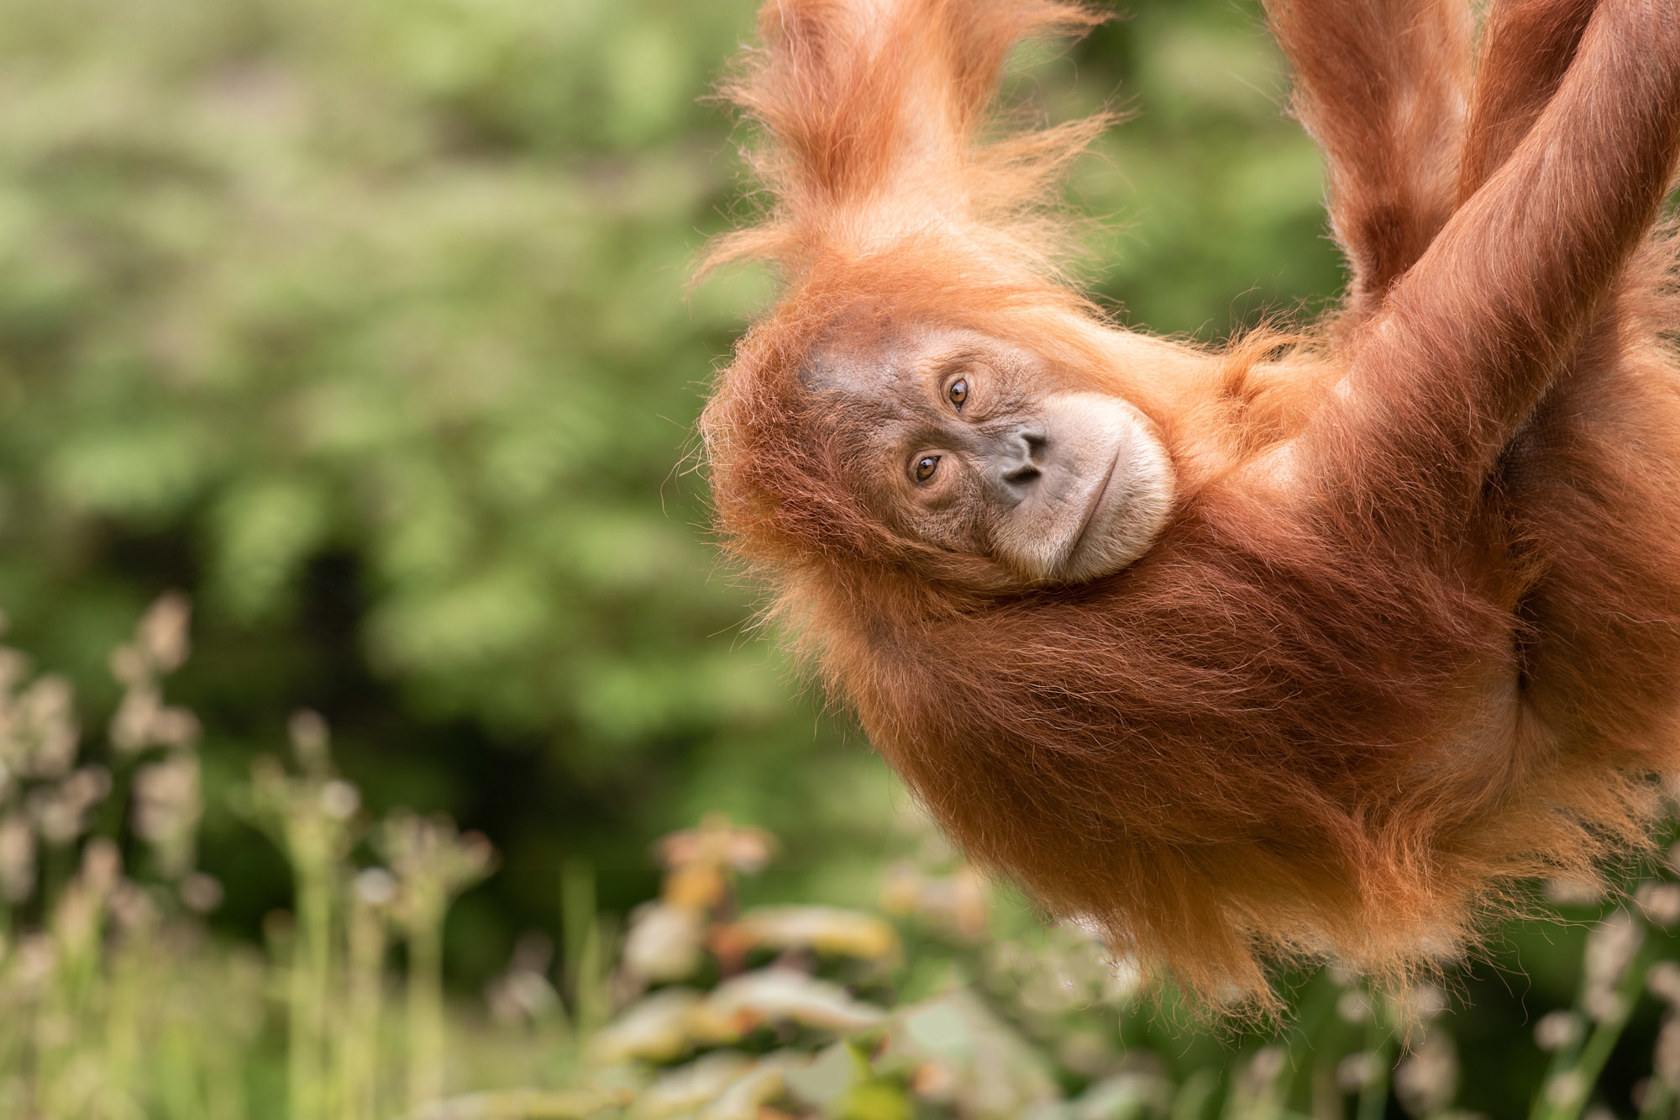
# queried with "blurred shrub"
point(387, 278)
point(399, 285)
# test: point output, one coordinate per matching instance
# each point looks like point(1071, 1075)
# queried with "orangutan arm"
point(1471, 336)
point(1381, 85)
point(1527, 47)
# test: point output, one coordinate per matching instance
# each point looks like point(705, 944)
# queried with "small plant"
point(336, 992)
point(110, 1005)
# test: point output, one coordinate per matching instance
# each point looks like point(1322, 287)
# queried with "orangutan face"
point(979, 447)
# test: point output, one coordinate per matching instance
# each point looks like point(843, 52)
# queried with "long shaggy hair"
point(1282, 732)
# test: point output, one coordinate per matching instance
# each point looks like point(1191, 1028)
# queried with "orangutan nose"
point(1024, 451)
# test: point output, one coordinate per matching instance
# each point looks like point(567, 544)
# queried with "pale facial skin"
point(973, 447)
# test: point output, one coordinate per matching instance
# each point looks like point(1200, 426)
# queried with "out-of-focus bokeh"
point(366, 326)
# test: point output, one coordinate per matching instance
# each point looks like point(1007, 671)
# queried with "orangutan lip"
point(1091, 510)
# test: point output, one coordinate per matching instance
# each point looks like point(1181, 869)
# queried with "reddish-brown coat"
point(1413, 635)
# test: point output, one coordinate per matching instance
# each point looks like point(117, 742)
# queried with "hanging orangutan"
point(1318, 643)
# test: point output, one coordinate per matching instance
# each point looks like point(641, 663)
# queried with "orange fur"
point(1413, 634)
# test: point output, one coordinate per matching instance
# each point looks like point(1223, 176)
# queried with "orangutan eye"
point(925, 466)
point(958, 392)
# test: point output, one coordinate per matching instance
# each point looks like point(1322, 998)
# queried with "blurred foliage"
point(961, 1009)
point(366, 323)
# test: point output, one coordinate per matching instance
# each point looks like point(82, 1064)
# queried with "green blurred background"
point(367, 323)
